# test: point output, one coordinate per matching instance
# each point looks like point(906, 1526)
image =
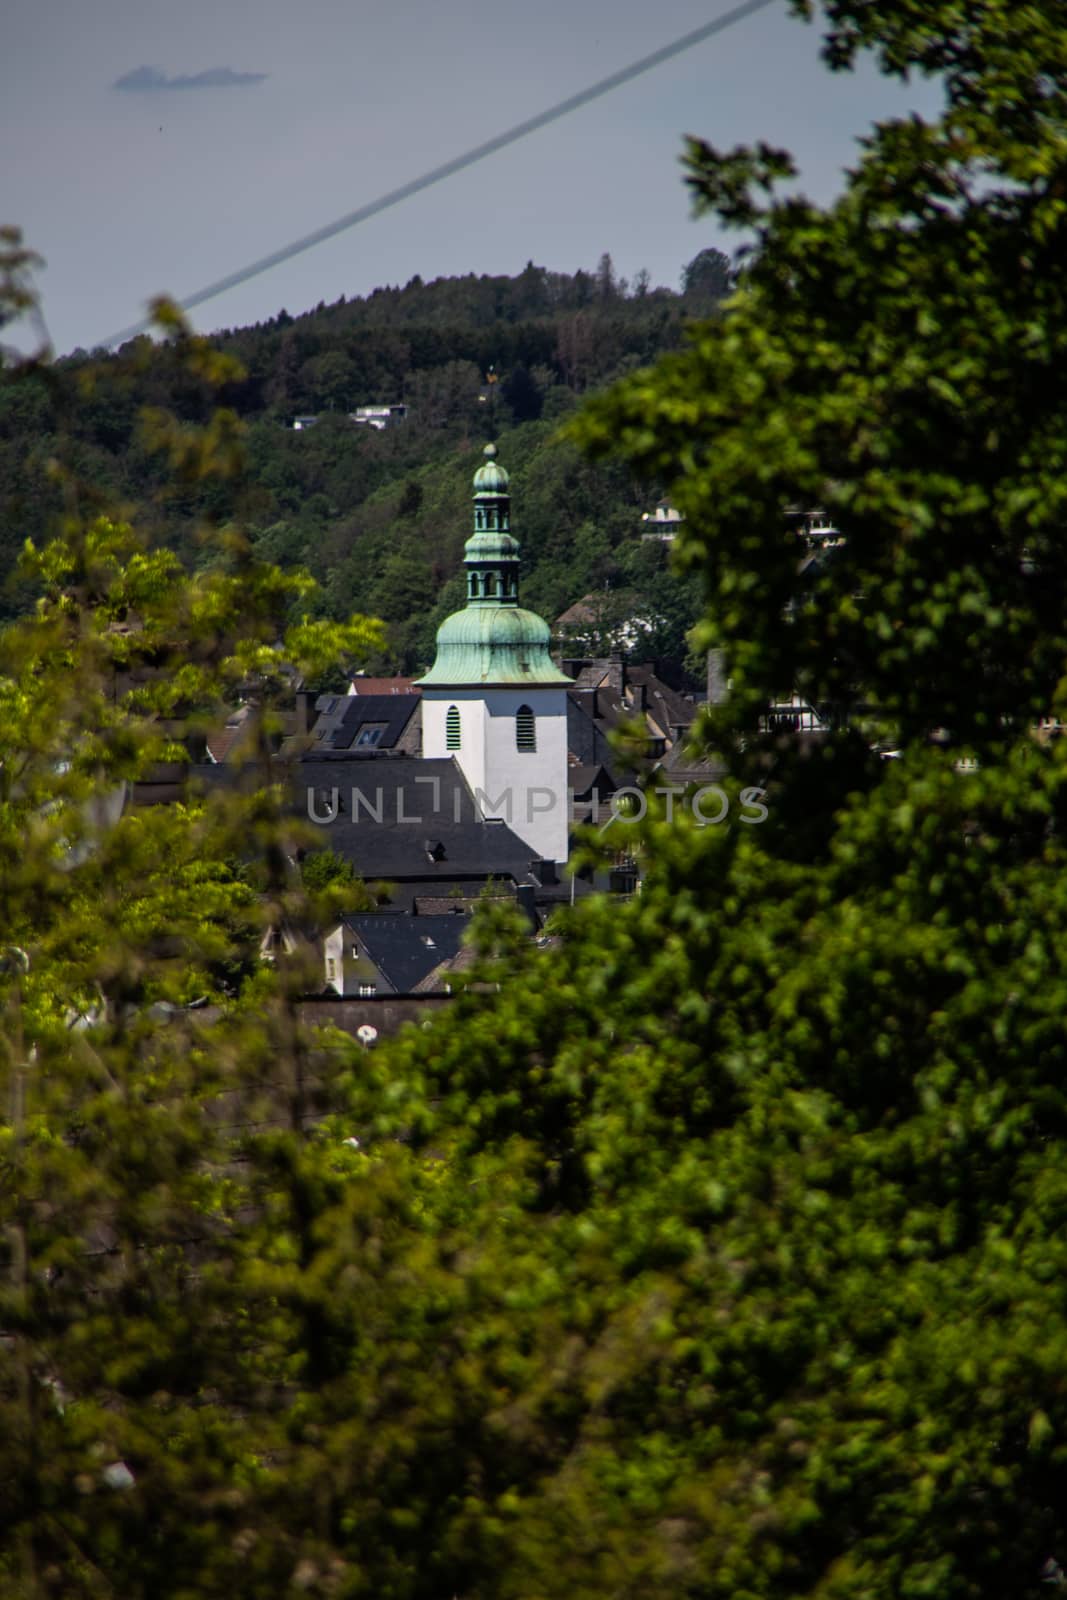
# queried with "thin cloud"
point(149, 79)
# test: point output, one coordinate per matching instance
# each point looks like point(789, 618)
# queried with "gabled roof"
point(437, 981)
point(610, 692)
point(407, 949)
point(667, 708)
point(582, 611)
point(220, 741)
point(405, 819)
point(416, 824)
point(363, 721)
point(584, 777)
point(684, 766)
point(365, 685)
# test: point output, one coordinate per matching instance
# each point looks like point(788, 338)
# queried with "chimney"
point(305, 705)
point(525, 898)
point(616, 674)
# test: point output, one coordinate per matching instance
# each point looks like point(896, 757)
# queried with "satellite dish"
point(366, 1035)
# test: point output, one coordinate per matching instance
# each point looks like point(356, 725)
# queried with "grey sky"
point(131, 194)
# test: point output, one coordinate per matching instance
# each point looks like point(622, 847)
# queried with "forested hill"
point(380, 517)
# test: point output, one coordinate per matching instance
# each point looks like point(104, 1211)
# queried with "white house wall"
point(334, 958)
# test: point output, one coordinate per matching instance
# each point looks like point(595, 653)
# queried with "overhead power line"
point(448, 169)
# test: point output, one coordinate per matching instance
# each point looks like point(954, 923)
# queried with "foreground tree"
point(156, 1161)
point(791, 1127)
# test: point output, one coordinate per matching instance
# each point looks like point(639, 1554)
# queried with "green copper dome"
point(493, 645)
point(493, 640)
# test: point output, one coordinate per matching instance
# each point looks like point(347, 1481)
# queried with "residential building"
point(661, 524)
point(378, 417)
point(392, 954)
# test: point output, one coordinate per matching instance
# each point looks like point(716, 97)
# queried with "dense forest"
point(379, 516)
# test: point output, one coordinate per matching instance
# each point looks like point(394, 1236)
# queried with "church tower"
point(494, 698)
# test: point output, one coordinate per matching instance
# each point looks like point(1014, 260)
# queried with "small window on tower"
point(452, 728)
point(525, 733)
point(490, 585)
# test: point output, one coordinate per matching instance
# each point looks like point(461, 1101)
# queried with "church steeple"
point(492, 640)
point(491, 555)
point(494, 700)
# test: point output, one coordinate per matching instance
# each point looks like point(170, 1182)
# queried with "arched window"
point(525, 731)
point(490, 585)
point(452, 728)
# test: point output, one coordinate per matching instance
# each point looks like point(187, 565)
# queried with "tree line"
point(369, 512)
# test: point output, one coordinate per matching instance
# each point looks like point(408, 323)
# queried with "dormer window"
point(452, 729)
point(525, 730)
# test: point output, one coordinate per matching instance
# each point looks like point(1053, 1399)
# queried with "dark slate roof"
point(443, 905)
point(377, 720)
point(682, 765)
point(667, 708)
point(587, 734)
point(582, 779)
point(404, 818)
point(406, 949)
point(416, 823)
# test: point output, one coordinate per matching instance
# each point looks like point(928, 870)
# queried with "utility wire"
point(574, 102)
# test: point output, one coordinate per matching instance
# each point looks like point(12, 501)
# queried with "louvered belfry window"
point(452, 728)
point(525, 734)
